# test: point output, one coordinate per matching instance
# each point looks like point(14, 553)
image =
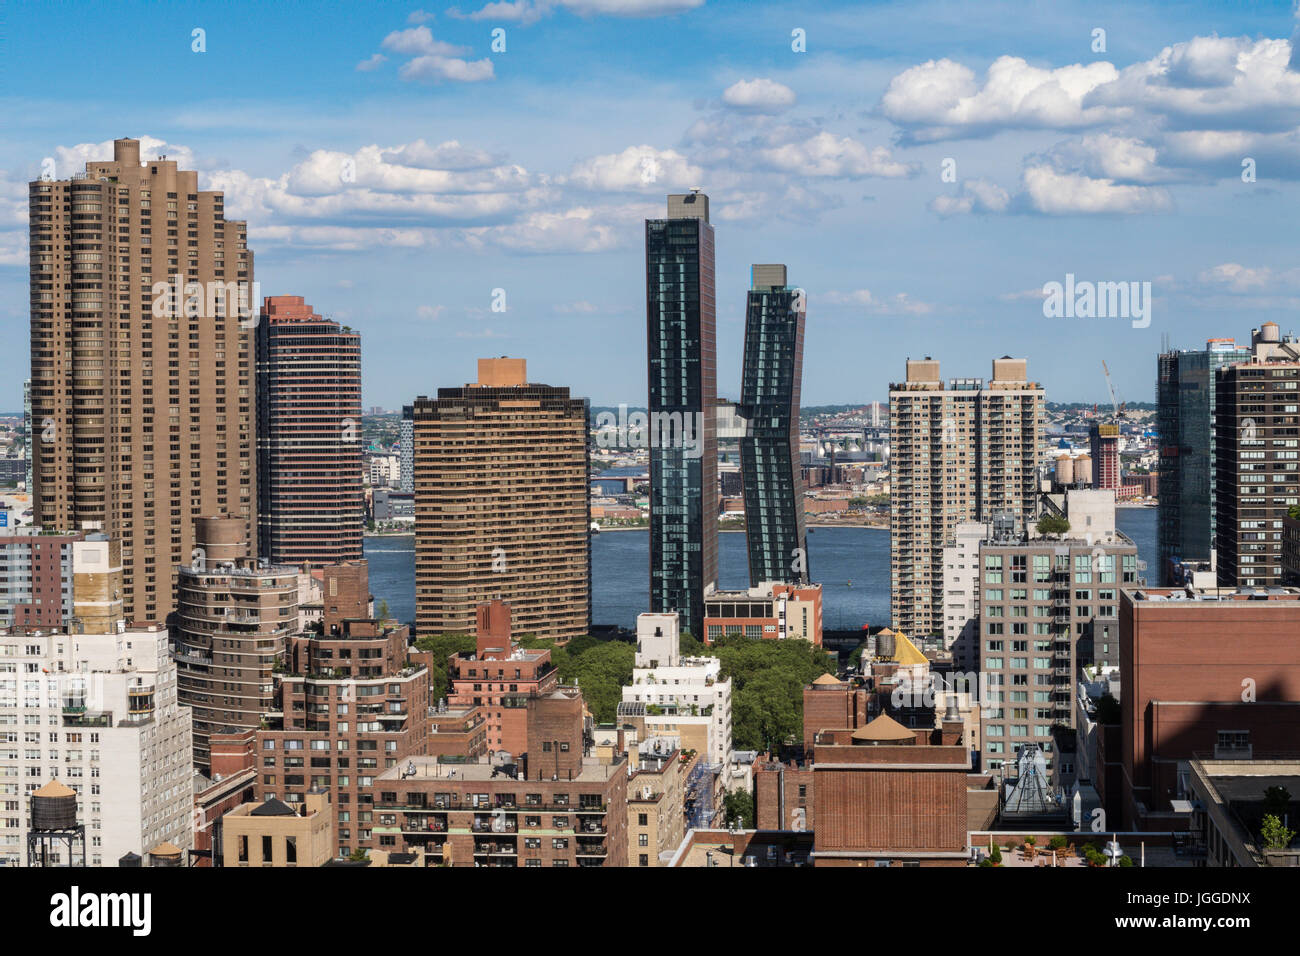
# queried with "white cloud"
point(1213, 82)
point(437, 68)
point(637, 167)
point(826, 154)
point(373, 63)
point(430, 312)
point(1051, 191)
point(898, 304)
point(1238, 278)
point(420, 16)
point(419, 41)
point(1105, 156)
point(760, 95)
point(941, 99)
point(975, 195)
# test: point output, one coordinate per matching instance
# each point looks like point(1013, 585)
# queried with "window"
point(267, 855)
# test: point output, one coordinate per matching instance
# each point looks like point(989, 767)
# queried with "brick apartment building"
point(352, 705)
point(886, 795)
point(502, 508)
point(771, 611)
point(1205, 674)
point(233, 620)
point(500, 677)
point(310, 501)
point(557, 806)
point(150, 395)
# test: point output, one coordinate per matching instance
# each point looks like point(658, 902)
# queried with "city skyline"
point(432, 173)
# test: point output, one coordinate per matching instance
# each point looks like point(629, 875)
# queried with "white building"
point(99, 713)
point(385, 471)
point(961, 561)
point(683, 697)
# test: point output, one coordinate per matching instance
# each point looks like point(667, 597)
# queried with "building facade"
point(98, 712)
point(406, 444)
point(310, 501)
point(556, 806)
point(1185, 400)
point(961, 452)
point(142, 364)
point(233, 622)
point(1257, 475)
point(352, 704)
point(771, 611)
point(769, 451)
point(682, 697)
point(501, 505)
point(681, 341)
point(1205, 674)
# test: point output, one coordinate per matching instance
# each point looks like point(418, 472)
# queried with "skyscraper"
point(406, 445)
point(682, 393)
point(142, 367)
point(1185, 397)
point(963, 452)
point(769, 452)
point(310, 500)
point(1256, 472)
point(501, 505)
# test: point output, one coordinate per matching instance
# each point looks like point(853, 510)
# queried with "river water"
point(852, 565)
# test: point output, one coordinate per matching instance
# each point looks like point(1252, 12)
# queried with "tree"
point(738, 809)
point(440, 648)
point(382, 611)
point(1275, 834)
point(996, 855)
point(358, 856)
point(1053, 525)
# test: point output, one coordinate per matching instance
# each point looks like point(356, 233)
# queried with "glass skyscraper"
point(769, 452)
point(682, 393)
point(1185, 395)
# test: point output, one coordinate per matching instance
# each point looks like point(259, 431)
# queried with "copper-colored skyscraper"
point(310, 500)
point(142, 398)
point(501, 506)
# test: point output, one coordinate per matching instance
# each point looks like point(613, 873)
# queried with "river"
point(852, 565)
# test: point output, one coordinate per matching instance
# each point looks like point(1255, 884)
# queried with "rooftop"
point(429, 768)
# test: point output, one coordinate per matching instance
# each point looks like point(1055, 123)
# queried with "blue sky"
point(395, 170)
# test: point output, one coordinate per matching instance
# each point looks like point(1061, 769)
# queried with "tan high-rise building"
point(962, 451)
point(234, 619)
point(142, 400)
point(501, 505)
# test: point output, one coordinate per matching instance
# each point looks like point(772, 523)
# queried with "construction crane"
point(1118, 405)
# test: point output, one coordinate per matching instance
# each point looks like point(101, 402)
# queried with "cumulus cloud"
point(419, 41)
point(1056, 193)
point(73, 159)
point(826, 154)
point(435, 69)
point(760, 95)
point(431, 60)
point(1105, 156)
point(1212, 83)
point(637, 167)
point(1234, 277)
point(975, 195)
point(942, 99)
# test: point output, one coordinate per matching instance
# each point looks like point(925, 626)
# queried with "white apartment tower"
point(682, 697)
point(97, 712)
point(963, 451)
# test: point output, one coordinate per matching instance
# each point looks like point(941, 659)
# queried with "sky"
point(924, 169)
